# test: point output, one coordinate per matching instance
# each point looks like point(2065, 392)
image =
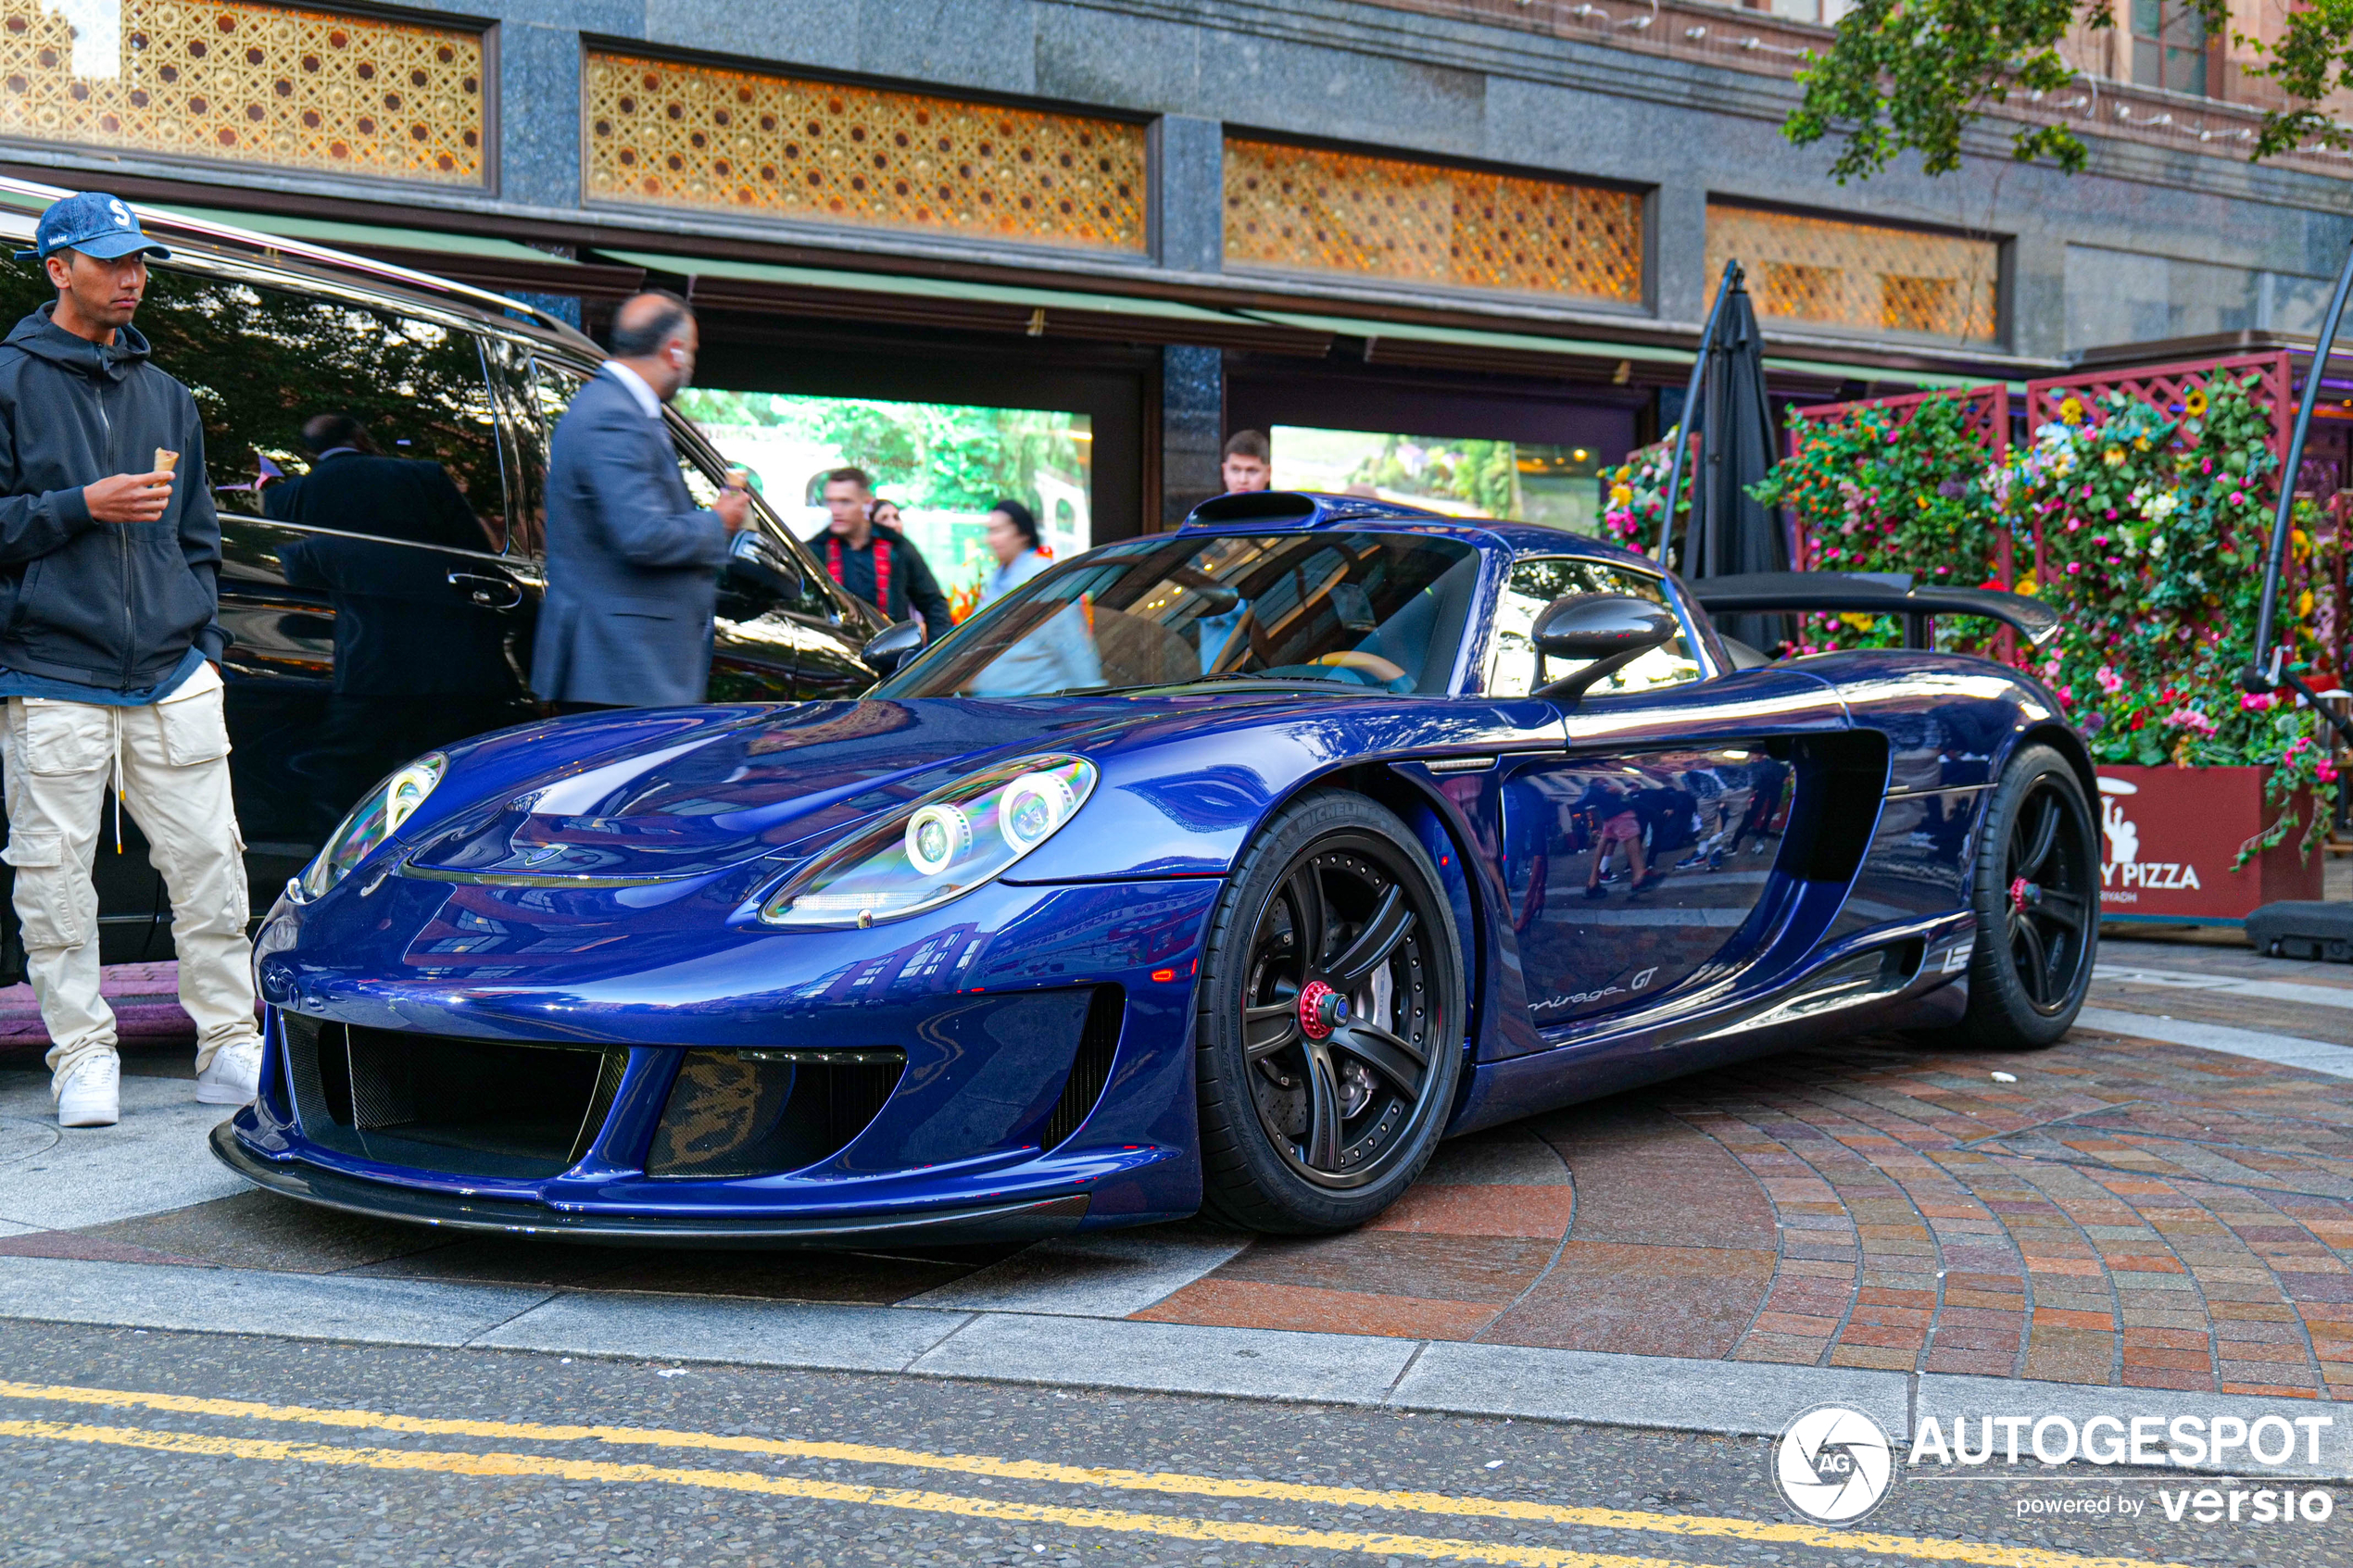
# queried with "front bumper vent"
point(757, 1113)
point(474, 1107)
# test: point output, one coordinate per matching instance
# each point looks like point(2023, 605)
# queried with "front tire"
point(1331, 1021)
point(2035, 892)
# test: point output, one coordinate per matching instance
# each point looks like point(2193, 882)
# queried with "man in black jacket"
point(873, 563)
point(109, 636)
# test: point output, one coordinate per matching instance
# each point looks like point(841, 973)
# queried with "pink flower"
point(2111, 681)
point(2256, 702)
point(2191, 719)
point(2238, 497)
point(2207, 467)
point(2324, 771)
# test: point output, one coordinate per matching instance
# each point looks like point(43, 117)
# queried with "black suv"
point(431, 615)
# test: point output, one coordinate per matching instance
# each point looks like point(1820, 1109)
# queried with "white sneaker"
point(91, 1093)
point(234, 1076)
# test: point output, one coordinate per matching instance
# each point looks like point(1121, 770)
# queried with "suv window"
point(263, 363)
point(1515, 668)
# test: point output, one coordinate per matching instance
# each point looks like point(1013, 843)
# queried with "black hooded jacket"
point(99, 604)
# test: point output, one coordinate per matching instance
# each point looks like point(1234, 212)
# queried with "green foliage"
point(1913, 75)
point(1879, 497)
point(2154, 524)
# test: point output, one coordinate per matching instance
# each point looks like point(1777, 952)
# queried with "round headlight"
point(937, 837)
point(1035, 805)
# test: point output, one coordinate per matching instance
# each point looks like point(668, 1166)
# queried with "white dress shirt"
point(637, 388)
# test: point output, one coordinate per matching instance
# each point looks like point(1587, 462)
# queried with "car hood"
point(661, 806)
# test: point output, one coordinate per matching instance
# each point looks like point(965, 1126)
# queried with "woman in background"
point(1013, 539)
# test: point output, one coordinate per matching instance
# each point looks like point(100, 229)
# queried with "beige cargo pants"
point(59, 758)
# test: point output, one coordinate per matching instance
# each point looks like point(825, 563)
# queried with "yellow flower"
point(1859, 622)
point(2113, 456)
point(2026, 586)
point(1621, 495)
point(2071, 412)
point(2140, 443)
point(2304, 602)
point(2193, 402)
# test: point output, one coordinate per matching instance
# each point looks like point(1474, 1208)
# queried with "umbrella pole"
point(2262, 675)
point(1691, 409)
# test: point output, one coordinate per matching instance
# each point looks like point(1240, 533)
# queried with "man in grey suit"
point(632, 568)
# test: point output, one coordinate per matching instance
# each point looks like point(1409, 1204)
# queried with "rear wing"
point(1855, 592)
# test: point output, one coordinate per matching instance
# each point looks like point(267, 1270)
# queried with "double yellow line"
point(507, 1465)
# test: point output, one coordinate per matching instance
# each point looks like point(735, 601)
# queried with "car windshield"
point(1383, 612)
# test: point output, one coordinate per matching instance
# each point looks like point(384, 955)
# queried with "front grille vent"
point(1090, 1069)
point(477, 1108)
point(757, 1113)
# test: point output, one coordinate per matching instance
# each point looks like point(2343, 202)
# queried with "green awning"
point(917, 288)
point(373, 236)
point(1583, 349)
point(1595, 348)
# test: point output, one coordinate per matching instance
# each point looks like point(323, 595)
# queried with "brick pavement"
point(2125, 1212)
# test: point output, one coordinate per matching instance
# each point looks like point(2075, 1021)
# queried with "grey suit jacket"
point(631, 565)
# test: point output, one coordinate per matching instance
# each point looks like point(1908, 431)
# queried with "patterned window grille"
point(279, 85)
point(1308, 209)
point(661, 133)
point(1861, 277)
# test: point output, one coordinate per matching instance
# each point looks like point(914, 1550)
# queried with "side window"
point(403, 393)
point(1515, 668)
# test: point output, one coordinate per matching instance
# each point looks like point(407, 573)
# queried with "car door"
point(1643, 852)
point(779, 630)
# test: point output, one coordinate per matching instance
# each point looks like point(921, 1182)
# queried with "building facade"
point(1459, 249)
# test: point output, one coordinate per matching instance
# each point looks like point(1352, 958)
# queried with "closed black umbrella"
point(1730, 533)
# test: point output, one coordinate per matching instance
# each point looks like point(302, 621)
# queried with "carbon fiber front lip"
point(1029, 1219)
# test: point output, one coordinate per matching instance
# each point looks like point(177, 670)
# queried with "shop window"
point(1311, 209)
point(664, 133)
point(2168, 46)
point(280, 85)
point(1861, 277)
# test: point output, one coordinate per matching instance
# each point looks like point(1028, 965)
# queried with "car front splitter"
point(1027, 1220)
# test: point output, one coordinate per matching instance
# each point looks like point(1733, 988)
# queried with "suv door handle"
point(491, 593)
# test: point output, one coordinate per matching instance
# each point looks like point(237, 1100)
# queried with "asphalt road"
point(121, 1447)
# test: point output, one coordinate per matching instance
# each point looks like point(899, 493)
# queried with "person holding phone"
point(110, 641)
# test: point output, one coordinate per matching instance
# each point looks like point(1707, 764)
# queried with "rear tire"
point(1330, 1024)
point(2035, 892)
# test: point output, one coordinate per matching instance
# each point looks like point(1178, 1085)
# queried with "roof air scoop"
point(1295, 508)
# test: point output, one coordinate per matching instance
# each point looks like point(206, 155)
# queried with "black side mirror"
point(895, 647)
point(1609, 629)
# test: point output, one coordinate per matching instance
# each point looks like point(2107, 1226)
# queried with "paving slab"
point(1111, 1274)
point(153, 1159)
point(741, 1333)
point(1676, 1393)
point(1172, 1358)
point(248, 1301)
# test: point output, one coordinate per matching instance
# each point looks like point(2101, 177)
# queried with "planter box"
point(2169, 835)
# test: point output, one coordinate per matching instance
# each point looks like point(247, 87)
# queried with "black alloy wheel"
point(1331, 1024)
point(2037, 900)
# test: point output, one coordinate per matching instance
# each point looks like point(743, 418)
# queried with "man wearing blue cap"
point(109, 638)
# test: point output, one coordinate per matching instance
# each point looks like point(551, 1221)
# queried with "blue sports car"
point(1229, 869)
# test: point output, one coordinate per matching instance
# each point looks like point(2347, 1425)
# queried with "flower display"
point(2145, 527)
point(1638, 495)
point(1878, 495)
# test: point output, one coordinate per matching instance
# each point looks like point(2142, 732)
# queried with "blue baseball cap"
point(95, 224)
